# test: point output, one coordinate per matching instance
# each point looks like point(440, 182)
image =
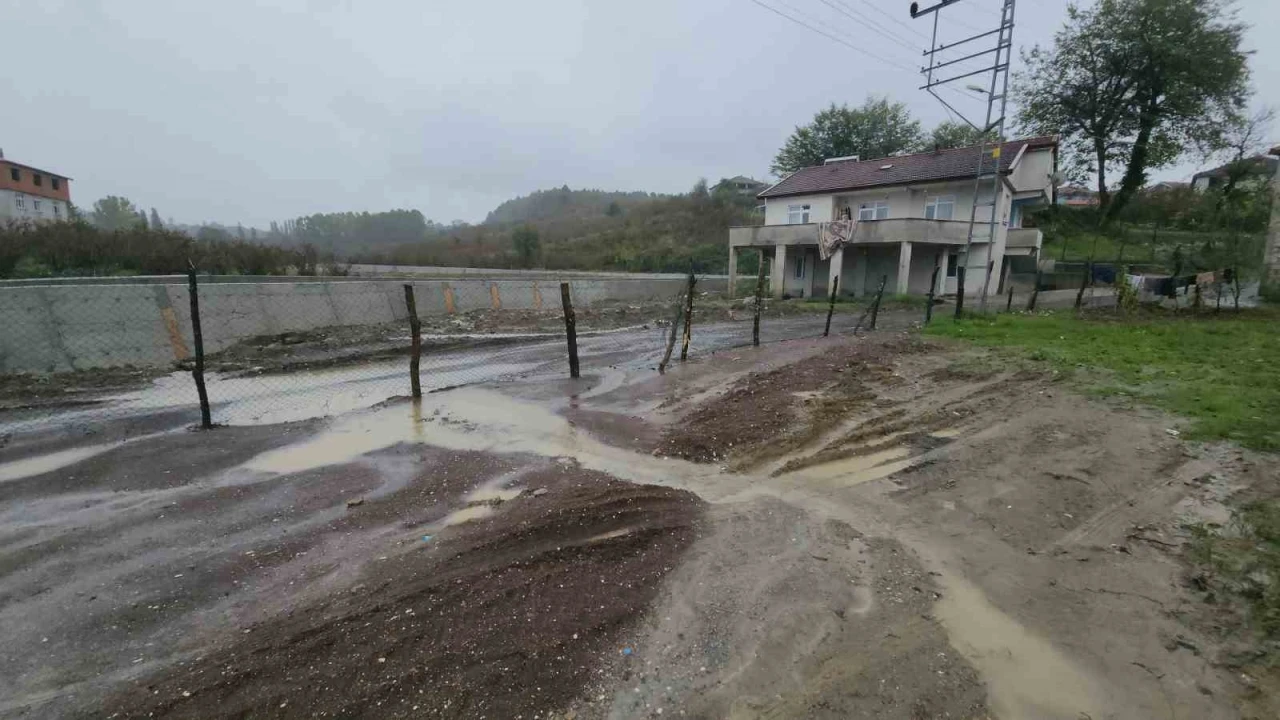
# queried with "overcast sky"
point(252, 111)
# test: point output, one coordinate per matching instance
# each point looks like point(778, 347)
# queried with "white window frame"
point(873, 210)
point(20, 201)
point(35, 205)
point(798, 214)
point(940, 201)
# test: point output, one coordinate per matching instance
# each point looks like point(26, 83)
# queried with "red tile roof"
point(930, 166)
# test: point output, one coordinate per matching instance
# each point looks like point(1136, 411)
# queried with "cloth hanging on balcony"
point(831, 235)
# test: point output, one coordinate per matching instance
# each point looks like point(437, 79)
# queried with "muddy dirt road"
point(876, 527)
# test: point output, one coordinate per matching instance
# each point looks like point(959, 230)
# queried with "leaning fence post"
point(875, 309)
point(1084, 283)
point(831, 307)
point(671, 337)
point(688, 318)
point(1035, 292)
point(415, 326)
point(1008, 306)
point(933, 288)
point(570, 329)
point(206, 420)
point(755, 326)
point(960, 289)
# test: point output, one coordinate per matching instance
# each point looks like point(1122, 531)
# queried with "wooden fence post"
point(831, 307)
point(1008, 306)
point(671, 337)
point(1035, 292)
point(570, 329)
point(960, 289)
point(415, 326)
point(875, 309)
point(755, 325)
point(688, 318)
point(206, 420)
point(933, 287)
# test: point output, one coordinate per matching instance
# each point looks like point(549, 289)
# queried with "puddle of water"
point(41, 464)
point(610, 535)
point(499, 489)
point(945, 433)
point(857, 470)
point(1026, 676)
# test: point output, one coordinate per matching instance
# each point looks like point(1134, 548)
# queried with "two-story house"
point(28, 193)
point(911, 214)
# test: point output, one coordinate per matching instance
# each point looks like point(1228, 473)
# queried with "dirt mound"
point(766, 413)
point(503, 617)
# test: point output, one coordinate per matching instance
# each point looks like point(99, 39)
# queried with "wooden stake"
point(671, 337)
point(415, 350)
point(206, 419)
point(570, 329)
point(933, 286)
point(688, 318)
point(831, 307)
point(755, 326)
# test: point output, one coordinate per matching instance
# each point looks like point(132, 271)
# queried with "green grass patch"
point(1221, 371)
point(1242, 560)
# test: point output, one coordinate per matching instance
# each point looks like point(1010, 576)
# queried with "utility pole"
point(997, 94)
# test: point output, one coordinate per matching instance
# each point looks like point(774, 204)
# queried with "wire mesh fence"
point(127, 354)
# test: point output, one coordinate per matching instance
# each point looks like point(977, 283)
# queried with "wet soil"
point(502, 617)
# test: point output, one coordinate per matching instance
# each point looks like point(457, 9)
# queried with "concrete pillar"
point(834, 267)
point(944, 258)
point(733, 271)
point(904, 268)
point(779, 274)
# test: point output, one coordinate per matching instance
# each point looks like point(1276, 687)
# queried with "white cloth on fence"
point(831, 235)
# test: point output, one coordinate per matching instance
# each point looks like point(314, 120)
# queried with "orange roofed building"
point(29, 193)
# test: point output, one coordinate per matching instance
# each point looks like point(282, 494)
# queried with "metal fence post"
point(831, 306)
point(206, 419)
point(755, 323)
point(570, 329)
point(688, 318)
point(415, 326)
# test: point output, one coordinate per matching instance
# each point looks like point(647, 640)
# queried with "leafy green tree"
point(527, 243)
point(877, 129)
point(155, 220)
point(1131, 84)
point(114, 213)
point(142, 219)
point(952, 134)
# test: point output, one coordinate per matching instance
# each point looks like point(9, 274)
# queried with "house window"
point(800, 267)
point(57, 183)
point(35, 205)
point(878, 210)
point(57, 210)
point(37, 179)
point(953, 261)
point(940, 207)
point(15, 174)
point(20, 201)
point(797, 214)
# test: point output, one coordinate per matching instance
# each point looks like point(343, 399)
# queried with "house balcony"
point(1023, 241)
point(869, 232)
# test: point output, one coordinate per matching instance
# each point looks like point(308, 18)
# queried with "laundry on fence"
point(1104, 274)
point(831, 235)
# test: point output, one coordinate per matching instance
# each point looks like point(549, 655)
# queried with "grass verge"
point(1221, 371)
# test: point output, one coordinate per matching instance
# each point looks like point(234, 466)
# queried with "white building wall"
point(1034, 172)
point(16, 205)
point(775, 209)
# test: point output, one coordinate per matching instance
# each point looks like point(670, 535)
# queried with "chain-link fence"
point(125, 353)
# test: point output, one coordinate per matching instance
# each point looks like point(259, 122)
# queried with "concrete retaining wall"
point(54, 328)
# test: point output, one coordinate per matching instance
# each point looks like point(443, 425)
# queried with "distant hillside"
point(584, 230)
point(563, 203)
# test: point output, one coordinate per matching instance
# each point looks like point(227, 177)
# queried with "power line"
point(892, 19)
point(829, 36)
point(843, 9)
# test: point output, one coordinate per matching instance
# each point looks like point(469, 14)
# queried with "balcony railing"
point(893, 230)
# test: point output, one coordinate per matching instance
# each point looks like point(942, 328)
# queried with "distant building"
point(744, 185)
point(1076, 196)
point(29, 193)
point(1167, 186)
point(1261, 169)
